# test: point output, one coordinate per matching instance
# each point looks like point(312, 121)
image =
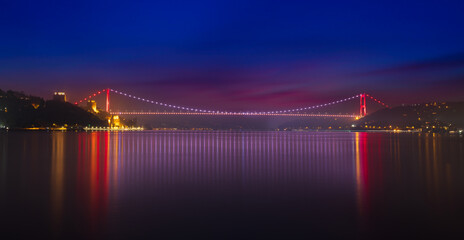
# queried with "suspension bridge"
point(188, 110)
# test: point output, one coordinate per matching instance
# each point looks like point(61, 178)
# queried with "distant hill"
point(431, 116)
point(18, 110)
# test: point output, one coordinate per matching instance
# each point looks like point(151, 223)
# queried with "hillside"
point(428, 117)
point(18, 110)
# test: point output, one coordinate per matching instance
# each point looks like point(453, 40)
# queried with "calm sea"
point(230, 185)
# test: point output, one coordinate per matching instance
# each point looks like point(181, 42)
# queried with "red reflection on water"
point(92, 176)
point(362, 176)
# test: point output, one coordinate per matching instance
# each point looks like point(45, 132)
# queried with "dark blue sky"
point(262, 53)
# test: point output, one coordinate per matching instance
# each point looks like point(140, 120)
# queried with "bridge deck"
point(239, 114)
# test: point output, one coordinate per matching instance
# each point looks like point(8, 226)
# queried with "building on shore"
point(59, 96)
point(92, 106)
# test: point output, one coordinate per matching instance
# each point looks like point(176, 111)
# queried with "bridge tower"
point(362, 105)
point(107, 100)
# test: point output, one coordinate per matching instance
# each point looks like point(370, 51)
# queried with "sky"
point(231, 54)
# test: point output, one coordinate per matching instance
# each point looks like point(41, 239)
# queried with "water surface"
point(232, 185)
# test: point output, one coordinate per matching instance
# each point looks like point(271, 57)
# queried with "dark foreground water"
point(230, 185)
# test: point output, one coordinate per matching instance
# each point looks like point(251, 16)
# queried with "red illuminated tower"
point(107, 100)
point(362, 104)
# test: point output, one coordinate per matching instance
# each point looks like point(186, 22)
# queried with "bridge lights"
point(294, 112)
point(362, 103)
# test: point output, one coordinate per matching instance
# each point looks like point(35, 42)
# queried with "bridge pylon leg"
point(107, 100)
point(362, 105)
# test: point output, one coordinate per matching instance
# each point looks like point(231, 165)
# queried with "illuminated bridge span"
point(183, 110)
point(238, 114)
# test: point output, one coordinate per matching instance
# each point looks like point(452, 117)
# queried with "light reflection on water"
point(57, 179)
point(120, 184)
